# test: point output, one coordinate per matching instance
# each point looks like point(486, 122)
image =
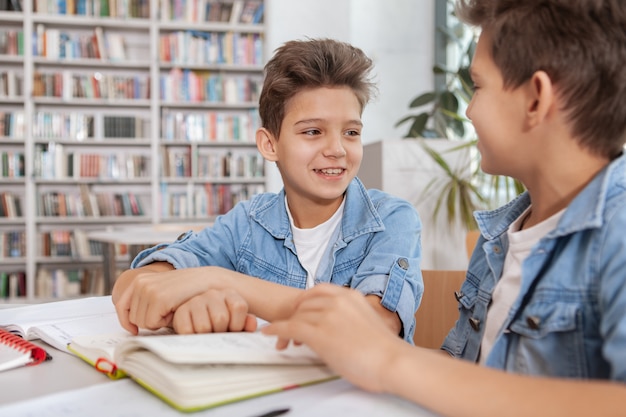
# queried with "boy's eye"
point(353, 133)
point(311, 132)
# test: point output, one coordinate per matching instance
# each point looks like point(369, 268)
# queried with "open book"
point(57, 323)
point(194, 372)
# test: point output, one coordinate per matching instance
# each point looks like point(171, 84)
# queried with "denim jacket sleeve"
point(391, 267)
point(612, 294)
point(199, 249)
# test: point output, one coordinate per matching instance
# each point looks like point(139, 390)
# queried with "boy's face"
point(497, 115)
point(319, 150)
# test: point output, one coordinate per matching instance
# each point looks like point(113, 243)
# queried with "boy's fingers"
point(250, 323)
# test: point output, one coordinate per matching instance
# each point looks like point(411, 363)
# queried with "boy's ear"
point(541, 97)
point(265, 143)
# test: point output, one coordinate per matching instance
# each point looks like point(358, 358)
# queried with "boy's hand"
point(151, 298)
point(214, 311)
point(345, 331)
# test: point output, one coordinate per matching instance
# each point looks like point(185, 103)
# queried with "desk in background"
point(137, 238)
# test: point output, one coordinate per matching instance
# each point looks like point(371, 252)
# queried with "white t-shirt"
point(312, 243)
point(507, 289)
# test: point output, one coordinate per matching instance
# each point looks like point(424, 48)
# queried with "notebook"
point(16, 352)
point(199, 371)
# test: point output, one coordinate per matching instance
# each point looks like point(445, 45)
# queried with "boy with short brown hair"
point(324, 226)
point(543, 304)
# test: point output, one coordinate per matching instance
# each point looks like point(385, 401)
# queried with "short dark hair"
point(304, 64)
point(579, 44)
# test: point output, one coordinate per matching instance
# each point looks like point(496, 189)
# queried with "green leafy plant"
point(441, 114)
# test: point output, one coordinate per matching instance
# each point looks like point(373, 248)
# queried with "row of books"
point(96, 8)
point(177, 162)
point(12, 124)
point(12, 164)
point(208, 48)
point(232, 11)
point(211, 126)
point(73, 243)
point(55, 44)
point(52, 161)
point(75, 204)
point(11, 42)
point(210, 200)
point(11, 84)
point(69, 85)
point(12, 284)
point(12, 244)
point(11, 5)
point(126, 127)
point(203, 86)
point(10, 205)
point(231, 164)
point(63, 124)
point(69, 282)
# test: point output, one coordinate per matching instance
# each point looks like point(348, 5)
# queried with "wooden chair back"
point(439, 309)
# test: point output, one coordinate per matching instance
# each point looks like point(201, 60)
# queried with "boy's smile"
point(319, 150)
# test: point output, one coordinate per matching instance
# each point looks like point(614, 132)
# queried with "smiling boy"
point(323, 227)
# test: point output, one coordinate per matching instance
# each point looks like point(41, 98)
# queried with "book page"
point(95, 344)
point(21, 319)
point(59, 334)
point(237, 348)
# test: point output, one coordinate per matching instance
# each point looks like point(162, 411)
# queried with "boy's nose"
point(335, 147)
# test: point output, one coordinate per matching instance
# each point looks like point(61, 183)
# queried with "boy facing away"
point(324, 226)
point(542, 324)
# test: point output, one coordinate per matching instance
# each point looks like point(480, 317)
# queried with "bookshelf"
point(118, 114)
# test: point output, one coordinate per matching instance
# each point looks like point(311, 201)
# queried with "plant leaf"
point(418, 125)
point(448, 101)
point(423, 99)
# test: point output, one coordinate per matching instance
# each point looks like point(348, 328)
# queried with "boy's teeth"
point(332, 171)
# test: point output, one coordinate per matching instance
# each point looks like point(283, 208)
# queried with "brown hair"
point(580, 44)
point(312, 63)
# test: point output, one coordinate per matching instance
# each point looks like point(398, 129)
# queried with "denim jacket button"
point(533, 322)
point(182, 235)
point(458, 295)
point(403, 263)
point(497, 249)
point(475, 323)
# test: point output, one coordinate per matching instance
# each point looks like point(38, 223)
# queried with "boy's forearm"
point(267, 300)
point(124, 280)
point(391, 318)
point(447, 385)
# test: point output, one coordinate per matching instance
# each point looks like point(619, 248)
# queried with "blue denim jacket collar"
point(360, 216)
point(584, 212)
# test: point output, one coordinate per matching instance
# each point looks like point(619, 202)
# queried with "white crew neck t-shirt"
point(312, 243)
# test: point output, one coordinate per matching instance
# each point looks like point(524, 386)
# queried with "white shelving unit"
point(118, 121)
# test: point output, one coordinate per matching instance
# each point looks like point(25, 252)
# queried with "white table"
point(67, 386)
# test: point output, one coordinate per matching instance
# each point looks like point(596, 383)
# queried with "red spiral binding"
point(38, 354)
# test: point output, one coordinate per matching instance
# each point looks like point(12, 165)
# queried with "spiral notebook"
point(16, 352)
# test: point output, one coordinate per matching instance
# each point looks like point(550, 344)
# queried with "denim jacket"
point(570, 317)
point(376, 250)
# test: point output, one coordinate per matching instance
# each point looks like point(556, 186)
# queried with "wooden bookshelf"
point(121, 113)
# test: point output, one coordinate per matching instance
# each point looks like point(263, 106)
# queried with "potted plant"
point(440, 114)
